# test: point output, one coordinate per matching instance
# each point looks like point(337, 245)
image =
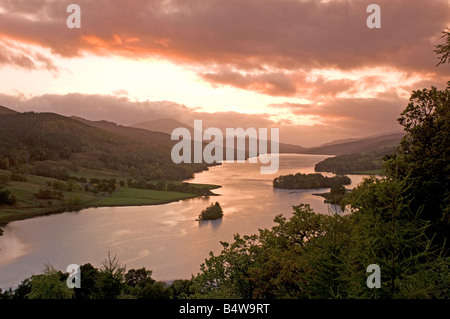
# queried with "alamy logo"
point(74, 19)
point(213, 152)
point(374, 280)
point(74, 279)
point(374, 19)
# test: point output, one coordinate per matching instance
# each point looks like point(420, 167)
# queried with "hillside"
point(169, 124)
point(383, 143)
point(51, 163)
point(152, 137)
point(6, 111)
point(30, 137)
point(352, 164)
point(166, 125)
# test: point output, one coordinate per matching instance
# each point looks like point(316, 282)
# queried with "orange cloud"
point(15, 55)
point(287, 34)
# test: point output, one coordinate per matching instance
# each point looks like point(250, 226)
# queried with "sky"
point(313, 69)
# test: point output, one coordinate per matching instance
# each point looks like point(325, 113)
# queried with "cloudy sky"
point(312, 68)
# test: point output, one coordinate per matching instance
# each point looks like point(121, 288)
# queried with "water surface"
point(164, 238)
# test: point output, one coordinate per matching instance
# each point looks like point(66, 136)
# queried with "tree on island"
point(337, 194)
point(214, 211)
point(304, 181)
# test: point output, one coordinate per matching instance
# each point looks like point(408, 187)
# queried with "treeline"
point(346, 164)
point(110, 281)
point(94, 185)
point(308, 181)
point(326, 256)
point(165, 186)
point(6, 198)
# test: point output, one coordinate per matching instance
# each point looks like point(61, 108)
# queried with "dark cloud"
point(377, 111)
point(275, 84)
point(247, 34)
point(96, 107)
point(266, 46)
point(18, 56)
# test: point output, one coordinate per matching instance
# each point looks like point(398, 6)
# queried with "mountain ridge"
point(151, 132)
point(6, 111)
point(361, 146)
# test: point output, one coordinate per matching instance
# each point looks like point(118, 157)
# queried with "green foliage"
point(140, 285)
point(111, 281)
point(89, 275)
point(226, 275)
point(422, 157)
point(307, 181)
point(49, 285)
point(38, 138)
point(337, 195)
point(268, 265)
point(23, 289)
point(17, 177)
point(4, 179)
point(346, 164)
point(214, 211)
point(444, 49)
point(180, 289)
point(393, 236)
point(49, 170)
point(326, 256)
point(45, 193)
point(189, 188)
point(6, 198)
point(8, 294)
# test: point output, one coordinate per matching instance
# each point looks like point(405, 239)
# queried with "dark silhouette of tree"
point(423, 156)
point(444, 49)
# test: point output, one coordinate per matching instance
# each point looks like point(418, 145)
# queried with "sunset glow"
point(310, 69)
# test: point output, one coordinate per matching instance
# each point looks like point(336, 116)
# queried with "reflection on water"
point(210, 223)
point(163, 238)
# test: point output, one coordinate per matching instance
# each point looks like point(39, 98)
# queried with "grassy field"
point(126, 196)
point(28, 205)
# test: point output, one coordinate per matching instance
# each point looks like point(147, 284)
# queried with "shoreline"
point(32, 212)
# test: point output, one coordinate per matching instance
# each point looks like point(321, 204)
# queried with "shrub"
point(6, 198)
point(214, 211)
point(4, 179)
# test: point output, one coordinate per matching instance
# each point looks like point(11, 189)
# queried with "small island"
point(309, 181)
point(335, 196)
point(214, 211)
point(367, 164)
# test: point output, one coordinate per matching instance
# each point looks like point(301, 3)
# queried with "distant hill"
point(166, 125)
point(291, 148)
point(36, 137)
point(360, 156)
point(152, 137)
point(347, 140)
point(6, 111)
point(380, 144)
